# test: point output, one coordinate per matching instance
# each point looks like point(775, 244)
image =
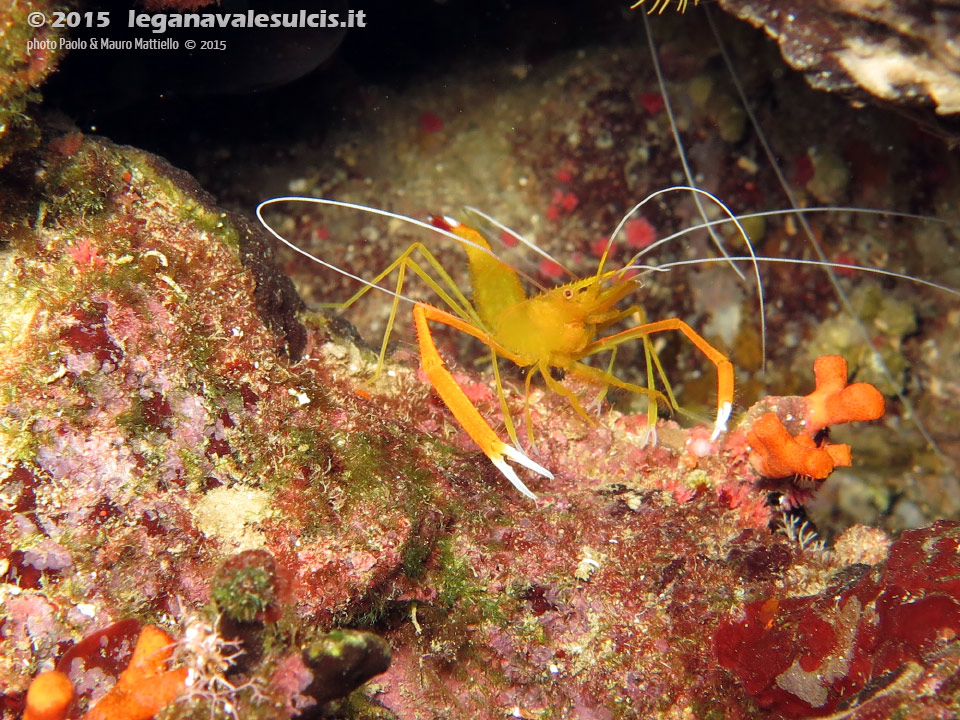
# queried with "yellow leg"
point(559, 389)
point(602, 395)
point(653, 363)
point(454, 299)
point(507, 418)
point(653, 410)
point(526, 405)
point(459, 405)
point(601, 377)
point(662, 5)
point(724, 366)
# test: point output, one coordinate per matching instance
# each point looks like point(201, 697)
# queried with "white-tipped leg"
point(521, 459)
point(649, 437)
point(512, 476)
point(650, 434)
point(723, 414)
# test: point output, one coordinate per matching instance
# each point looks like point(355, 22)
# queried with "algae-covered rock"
point(28, 54)
point(343, 660)
point(159, 414)
point(898, 51)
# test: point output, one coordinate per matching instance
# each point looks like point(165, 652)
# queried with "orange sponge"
point(48, 697)
point(142, 690)
point(834, 402)
point(777, 454)
point(145, 687)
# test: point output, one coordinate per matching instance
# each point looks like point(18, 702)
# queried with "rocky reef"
point(898, 52)
point(183, 447)
point(209, 510)
point(23, 69)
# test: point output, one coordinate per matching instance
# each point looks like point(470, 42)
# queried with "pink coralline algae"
point(863, 643)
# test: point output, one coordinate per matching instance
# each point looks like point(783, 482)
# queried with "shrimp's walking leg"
point(602, 395)
point(602, 377)
point(507, 417)
point(653, 409)
point(455, 299)
point(724, 366)
point(653, 362)
point(453, 396)
point(526, 406)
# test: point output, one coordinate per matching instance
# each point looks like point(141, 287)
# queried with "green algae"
point(458, 590)
point(242, 592)
point(19, 304)
point(416, 553)
point(80, 185)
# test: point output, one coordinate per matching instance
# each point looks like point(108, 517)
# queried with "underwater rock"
point(27, 56)
point(245, 585)
point(160, 414)
point(900, 52)
point(341, 661)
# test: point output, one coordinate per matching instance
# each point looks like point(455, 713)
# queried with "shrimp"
point(479, 318)
point(557, 328)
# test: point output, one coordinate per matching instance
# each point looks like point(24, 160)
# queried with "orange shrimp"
point(558, 328)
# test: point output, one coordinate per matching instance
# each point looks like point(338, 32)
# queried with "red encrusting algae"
point(855, 642)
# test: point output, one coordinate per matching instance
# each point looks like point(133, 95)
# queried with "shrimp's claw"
point(457, 402)
point(720, 426)
point(521, 459)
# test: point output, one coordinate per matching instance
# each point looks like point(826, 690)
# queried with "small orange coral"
point(145, 687)
point(48, 697)
point(776, 453)
point(834, 402)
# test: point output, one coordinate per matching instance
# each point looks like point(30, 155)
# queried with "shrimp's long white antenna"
point(311, 256)
point(794, 261)
point(731, 217)
point(792, 211)
point(679, 143)
point(808, 231)
point(373, 211)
